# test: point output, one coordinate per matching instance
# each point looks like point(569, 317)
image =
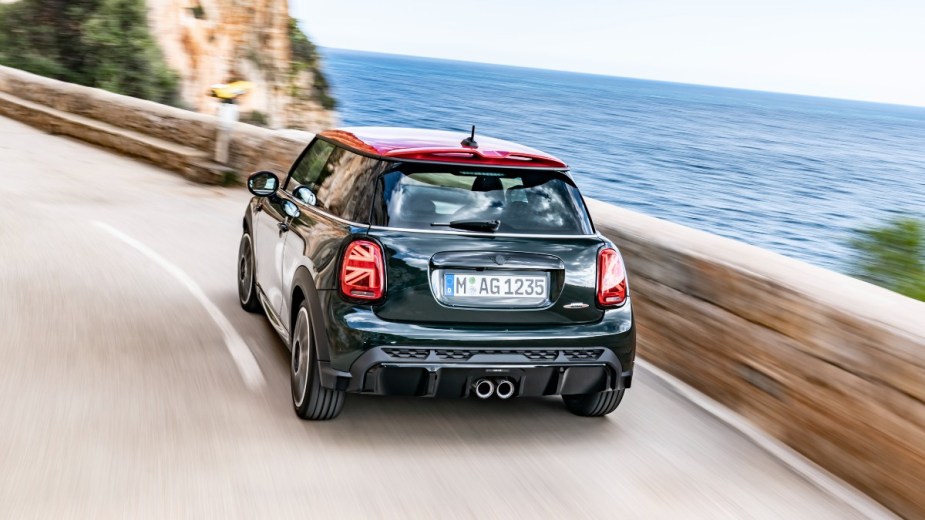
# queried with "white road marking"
point(799, 464)
point(240, 352)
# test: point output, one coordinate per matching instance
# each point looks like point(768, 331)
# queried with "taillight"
point(362, 272)
point(611, 278)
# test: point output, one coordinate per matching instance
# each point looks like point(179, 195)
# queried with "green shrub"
point(305, 57)
point(198, 12)
point(893, 256)
point(98, 43)
point(254, 117)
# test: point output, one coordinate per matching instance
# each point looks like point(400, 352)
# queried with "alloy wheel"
point(301, 350)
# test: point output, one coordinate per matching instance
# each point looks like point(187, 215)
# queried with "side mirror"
point(305, 195)
point(291, 210)
point(263, 184)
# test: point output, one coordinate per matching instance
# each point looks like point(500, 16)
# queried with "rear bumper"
point(363, 353)
point(442, 372)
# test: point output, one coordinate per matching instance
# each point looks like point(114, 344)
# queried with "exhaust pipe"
point(504, 389)
point(484, 388)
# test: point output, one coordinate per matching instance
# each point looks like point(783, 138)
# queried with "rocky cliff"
point(216, 41)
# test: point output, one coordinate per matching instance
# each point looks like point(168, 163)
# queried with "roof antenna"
point(470, 142)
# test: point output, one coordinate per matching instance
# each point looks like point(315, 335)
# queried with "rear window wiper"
point(471, 225)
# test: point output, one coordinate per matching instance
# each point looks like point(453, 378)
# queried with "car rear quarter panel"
point(313, 244)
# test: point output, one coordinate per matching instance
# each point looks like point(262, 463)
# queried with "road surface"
point(134, 386)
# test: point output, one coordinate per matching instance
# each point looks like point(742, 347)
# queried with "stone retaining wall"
point(253, 147)
point(830, 365)
point(156, 120)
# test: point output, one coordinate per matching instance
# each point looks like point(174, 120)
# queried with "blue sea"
point(793, 174)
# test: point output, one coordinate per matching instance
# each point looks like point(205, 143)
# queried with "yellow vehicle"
point(230, 91)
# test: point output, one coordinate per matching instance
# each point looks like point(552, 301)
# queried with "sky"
point(872, 50)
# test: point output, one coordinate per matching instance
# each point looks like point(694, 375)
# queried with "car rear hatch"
point(480, 246)
point(457, 279)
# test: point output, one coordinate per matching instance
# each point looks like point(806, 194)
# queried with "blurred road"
point(121, 397)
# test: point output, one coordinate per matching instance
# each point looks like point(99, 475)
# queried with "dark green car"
point(405, 262)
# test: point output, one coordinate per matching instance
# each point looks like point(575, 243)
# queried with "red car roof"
point(414, 144)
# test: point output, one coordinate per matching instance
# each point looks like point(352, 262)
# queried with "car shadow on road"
point(404, 421)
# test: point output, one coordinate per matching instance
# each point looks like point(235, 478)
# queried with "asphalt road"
point(122, 396)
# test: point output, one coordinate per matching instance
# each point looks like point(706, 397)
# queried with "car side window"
point(309, 168)
point(364, 190)
point(341, 185)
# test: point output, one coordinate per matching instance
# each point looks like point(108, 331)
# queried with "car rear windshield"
point(434, 197)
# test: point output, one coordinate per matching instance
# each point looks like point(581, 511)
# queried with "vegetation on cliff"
point(98, 43)
point(305, 57)
point(893, 256)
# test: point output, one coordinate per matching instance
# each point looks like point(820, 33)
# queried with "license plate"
point(510, 287)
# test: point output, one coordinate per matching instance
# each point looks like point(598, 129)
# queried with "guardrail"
point(832, 366)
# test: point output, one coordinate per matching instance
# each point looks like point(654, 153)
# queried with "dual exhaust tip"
point(487, 387)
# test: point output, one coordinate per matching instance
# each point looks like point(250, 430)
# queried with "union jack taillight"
point(611, 278)
point(362, 272)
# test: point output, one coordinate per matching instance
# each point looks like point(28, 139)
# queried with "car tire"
point(247, 275)
point(310, 400)
point(597, 404)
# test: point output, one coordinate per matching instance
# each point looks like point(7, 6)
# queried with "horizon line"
point(655, 80)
